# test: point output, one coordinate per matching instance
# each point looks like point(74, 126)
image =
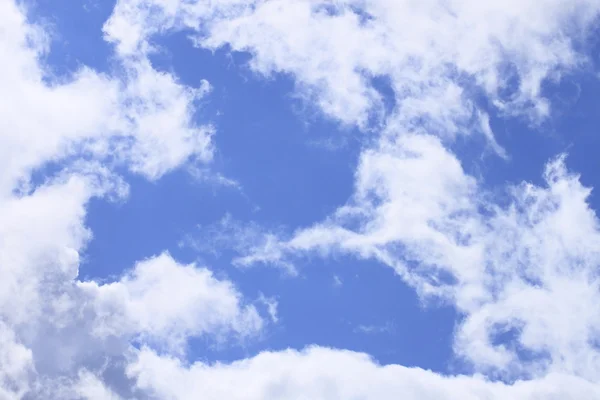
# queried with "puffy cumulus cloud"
point(197, 303)
point(435, 54)
point(322, 373)
point(15, 365)
point(41, 237)
point(88, 386)
point(158, 119)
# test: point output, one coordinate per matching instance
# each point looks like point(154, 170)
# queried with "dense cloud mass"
point(524, 265)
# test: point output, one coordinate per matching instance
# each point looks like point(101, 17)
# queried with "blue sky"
point(379, 200)
point(276, 150)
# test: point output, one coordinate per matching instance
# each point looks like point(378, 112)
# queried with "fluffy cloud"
point(15, 365)
point(197, 304)
point(137, 116)
point(321, 373)
point(436, 54)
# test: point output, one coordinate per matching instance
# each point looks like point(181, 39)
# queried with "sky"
point(299, 199)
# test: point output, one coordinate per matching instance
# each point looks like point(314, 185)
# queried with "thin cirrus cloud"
point(526, 266)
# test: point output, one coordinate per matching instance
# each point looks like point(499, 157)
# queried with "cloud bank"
point(523, 266)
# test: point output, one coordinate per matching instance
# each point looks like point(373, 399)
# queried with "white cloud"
point(435, 53)
point(15, 365)
point(140, 117)
point(421, 46)
point(159, 114)
point(89, 386)
point(321, 373)
point(163, 302)
point(43, 233)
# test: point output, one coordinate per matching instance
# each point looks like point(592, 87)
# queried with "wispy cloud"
point(374, 329)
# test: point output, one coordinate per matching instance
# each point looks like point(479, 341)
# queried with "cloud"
point(90, 387)
point(162, 302)
point(135, 115)
point(43, 234)
point(15, 365)
point(159, 116)
point(437, 55)
point(322, 373)
point(423, 47)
